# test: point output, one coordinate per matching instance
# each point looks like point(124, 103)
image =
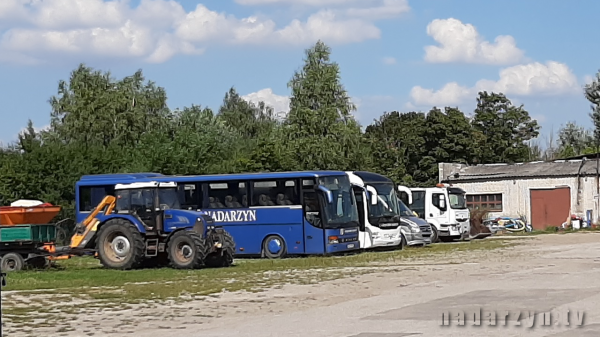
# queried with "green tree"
point(574, 140)
point(94, 108)
point(448, 138)
point(249, 119)
point(592, 94)
point(321, 129)
point(399, 144)
point(502, 129)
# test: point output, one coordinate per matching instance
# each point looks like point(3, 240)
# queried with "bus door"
point(314, 234)
point(359, 195)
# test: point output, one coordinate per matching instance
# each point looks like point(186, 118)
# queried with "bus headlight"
point(333, 240)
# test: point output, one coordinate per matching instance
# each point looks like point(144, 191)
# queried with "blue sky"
point(394, 54)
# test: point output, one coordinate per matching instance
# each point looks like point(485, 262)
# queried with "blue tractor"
point(143, 223)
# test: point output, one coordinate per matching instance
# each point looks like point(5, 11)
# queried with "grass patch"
point(82, 286)
point(555, 230)
point(86, 272)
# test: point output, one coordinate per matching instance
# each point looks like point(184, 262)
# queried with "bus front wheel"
point(274, 247)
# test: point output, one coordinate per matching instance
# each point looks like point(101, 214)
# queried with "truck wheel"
point(186, 250)
point(120, 245)
point(274, 247)
point(223, 258)
point(12, 262)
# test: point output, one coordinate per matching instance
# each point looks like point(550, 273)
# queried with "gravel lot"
point(540, 274)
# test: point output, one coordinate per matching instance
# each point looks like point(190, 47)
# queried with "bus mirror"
point(327, 193)
point(407, 191)
point(373, 193)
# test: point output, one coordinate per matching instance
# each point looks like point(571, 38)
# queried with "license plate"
point(351, 245)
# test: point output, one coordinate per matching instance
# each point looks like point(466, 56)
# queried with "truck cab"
point(443, 207)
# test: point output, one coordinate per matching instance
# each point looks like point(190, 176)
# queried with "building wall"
point(516, 194)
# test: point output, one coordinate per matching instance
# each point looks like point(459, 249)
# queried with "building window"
point(492, 202)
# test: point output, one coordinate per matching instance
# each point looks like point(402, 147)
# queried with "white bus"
point(379, 212)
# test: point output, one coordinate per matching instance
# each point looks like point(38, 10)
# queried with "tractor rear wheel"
point(186, 250)
point(223, 257)
point(120, 245)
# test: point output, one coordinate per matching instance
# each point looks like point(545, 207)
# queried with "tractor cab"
point(156, 205)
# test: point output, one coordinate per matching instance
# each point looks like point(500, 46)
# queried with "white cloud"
point(533, 79)
point(460, 42)
point(364, 9)
point(389, 60)
point(280, 104)
point(387, 9)
point(156, 30)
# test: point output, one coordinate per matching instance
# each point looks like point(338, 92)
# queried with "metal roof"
point(486, 172)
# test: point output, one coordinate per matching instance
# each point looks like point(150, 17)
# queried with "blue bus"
point(270, 215)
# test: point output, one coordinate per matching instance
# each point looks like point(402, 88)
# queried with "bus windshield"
point(342, 212)
point(387, 202)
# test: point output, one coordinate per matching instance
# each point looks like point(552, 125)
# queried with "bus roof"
point(113, 176)
point(107, 179)
point(371, 177)
point(259, 175)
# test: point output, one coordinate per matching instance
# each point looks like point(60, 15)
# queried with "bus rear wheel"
point(274, 247)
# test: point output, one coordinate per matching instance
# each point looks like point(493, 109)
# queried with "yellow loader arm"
point(85, 230)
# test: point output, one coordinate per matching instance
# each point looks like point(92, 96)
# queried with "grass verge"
point(44, 296)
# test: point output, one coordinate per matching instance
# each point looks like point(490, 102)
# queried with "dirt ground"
point(300, 308)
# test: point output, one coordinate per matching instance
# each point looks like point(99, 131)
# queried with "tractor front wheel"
point(223, 257)
point(120, 245)
point(186, 250)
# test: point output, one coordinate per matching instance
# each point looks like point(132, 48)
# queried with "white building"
point(546, 193)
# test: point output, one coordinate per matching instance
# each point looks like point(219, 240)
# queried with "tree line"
point(100, 124)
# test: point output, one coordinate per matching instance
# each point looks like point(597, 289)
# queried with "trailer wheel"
point(223, 258)
point(120, 245)
point(12, 262)
point(186, 250)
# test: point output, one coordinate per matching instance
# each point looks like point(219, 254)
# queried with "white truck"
point(443, 207)
point(380, 213)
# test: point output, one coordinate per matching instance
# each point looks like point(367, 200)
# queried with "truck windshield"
point(342, 212)
point(457, 200)
point(387, 201)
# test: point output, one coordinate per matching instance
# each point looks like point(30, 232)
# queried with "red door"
point(550, 207)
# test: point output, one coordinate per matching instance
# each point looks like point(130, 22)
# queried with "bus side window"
point(227, 195)
point(91, 196)
point(190, 196)
point(262, 193)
